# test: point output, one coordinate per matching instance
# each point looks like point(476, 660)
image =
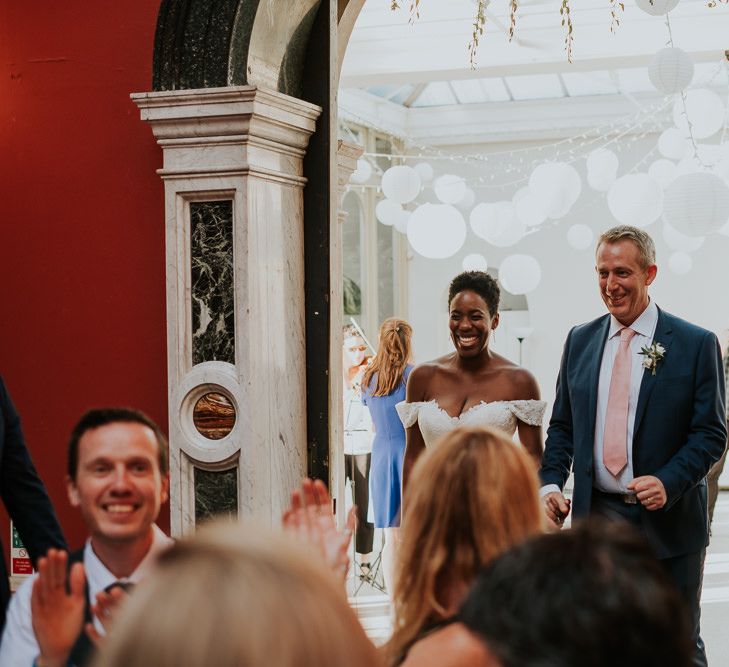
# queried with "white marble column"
point(233, 179)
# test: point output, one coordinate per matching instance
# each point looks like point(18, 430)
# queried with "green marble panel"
point(216, 493)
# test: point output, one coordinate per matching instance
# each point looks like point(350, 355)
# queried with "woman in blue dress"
point(383, 386)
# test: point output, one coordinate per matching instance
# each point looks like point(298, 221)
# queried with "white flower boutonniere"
point(653, 354)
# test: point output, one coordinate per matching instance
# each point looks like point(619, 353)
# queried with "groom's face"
point(623, 280)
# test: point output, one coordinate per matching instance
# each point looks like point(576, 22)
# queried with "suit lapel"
point(663, 335)
point(595, 350)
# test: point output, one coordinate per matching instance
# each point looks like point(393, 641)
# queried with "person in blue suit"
point(668, 428)
point(23, 495)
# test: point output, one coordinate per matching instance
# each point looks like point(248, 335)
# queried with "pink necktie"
point(615, 440)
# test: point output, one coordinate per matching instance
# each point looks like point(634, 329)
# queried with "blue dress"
point(388, 451)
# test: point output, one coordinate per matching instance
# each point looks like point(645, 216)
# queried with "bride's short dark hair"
point(481, 283)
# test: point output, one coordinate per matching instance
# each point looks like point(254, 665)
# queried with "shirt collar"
point(99, 576)
point(644, 325)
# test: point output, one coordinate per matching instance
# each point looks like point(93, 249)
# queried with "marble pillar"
point(233, 180)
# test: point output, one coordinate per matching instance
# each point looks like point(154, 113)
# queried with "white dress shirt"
point(19, 647)
point(645, 329)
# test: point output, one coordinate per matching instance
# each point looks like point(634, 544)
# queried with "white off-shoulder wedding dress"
point(435, 422)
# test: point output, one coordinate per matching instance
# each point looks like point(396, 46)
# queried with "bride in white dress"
point(472, 386)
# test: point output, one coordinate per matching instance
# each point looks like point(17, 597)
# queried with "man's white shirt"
point(645, 329)
point(19, 647)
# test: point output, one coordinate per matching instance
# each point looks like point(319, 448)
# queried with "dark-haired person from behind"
point(23, 494)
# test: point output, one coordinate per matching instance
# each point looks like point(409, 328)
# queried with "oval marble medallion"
point(214, 415)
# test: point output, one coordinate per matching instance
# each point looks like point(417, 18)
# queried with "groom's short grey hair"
point(642, 240)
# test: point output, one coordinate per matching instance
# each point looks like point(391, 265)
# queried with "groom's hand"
point(556, 507)
point(650, 492)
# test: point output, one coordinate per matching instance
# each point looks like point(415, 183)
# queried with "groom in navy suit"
point(639, 417)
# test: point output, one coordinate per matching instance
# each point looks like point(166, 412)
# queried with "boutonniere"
point(652, 355)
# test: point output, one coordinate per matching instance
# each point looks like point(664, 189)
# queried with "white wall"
point(568, 292)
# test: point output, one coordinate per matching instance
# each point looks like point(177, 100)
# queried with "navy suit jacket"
point(23, 494)
point(679, 429)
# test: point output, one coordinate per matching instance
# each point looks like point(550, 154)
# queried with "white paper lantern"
point(387, 211)
point(676, 240)
point(697, 204)
point(401, 184)
point(425, 171)
point(436, 231)
point(520, 194)
point(520, 274)
point(480, 220)
point(656, 7)
point(705, 110)
point(467, 201)
point(449, 188)
point(602, 162)
point(671, 70)
point(663, 172)
point(724, 231)
point(556, 186)
point(511, 228)
point(601, 183)
point(474, 262)
point(530, 210)
point(673, 144)
point(635, 199)
point(580, 236)
point(680, 262)
point(362, 173)
point(401, 222)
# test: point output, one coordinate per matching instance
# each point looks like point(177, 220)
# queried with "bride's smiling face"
point(471, 323)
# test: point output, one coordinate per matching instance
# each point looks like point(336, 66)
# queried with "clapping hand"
point(310, 519)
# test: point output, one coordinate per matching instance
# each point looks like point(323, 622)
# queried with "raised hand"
point(57, 612)
point(105, 609)
point(310, 520)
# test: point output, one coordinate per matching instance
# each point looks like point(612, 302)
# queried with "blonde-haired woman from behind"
point(383, 387)
point(235, 595)
point(471, 498)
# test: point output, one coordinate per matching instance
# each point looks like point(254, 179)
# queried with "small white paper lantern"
point(663, 172)
point(602, 162)
point(697, 204)
point(401, 184)
point(520, 274)
point(474, 262)
point(657, 7)
point(671, 70)
point(635, 199)
point(680, 262)
point(480, 220)
point(449, 188)
point(705, 111)
point(673, 144)
point(467, 201)
point(510, 228)
point(362, 173)
point(530, 210)
point(676, 240)
point(556, 186)
point(601, 182)
point(401, 222)
point(387, 211)
point(436, 231)
point(425, 171)
point(580, 236)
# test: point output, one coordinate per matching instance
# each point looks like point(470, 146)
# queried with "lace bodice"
point(435, 422)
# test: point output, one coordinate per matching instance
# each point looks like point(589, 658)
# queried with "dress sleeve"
point(408, 412)
point(530, 412)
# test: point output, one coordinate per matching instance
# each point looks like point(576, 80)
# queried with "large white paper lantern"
point(480, 220)
point(520, 274)
point(705, 111)
point(388, 211)
point(557, 186)
point(449, 188)
point(362, 173)
point(467, 201)
point(676, 240)
point(530, 210)
point(436, 231)
point(425, 171)
point(602, 162)
point(600, 182)
point(401, 184)
point(680, 262)
point(671, 70)
point(511, 228)
point(673, 144)
point(663, 172)
point(580, 236)
point(697, 204)
point(474, 262)
point(635, 199)
point(657, 7)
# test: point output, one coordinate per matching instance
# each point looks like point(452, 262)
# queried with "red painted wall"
point(82, 267)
